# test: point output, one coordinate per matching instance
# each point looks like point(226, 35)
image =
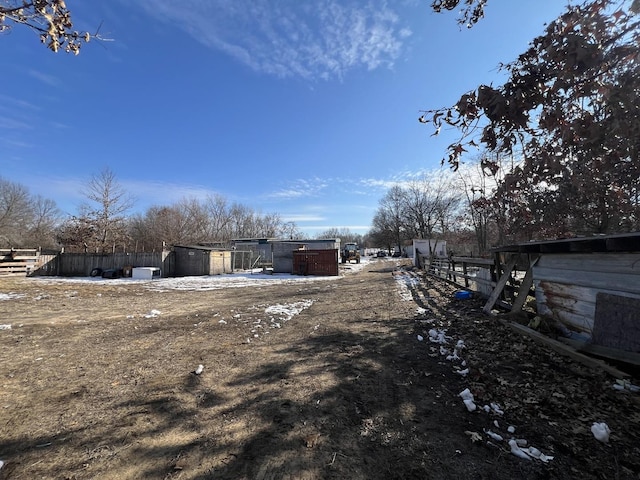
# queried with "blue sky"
point(305, 108)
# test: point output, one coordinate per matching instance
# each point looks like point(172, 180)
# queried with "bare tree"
point(428, 202)
point(15, 211)
point(109, 202)
point(217, 208)
point(44, 221)
point(389, 222)
point(209, 221)
point(289, 230)
point(344, 234)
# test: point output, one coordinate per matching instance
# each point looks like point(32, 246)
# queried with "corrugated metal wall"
point(315, 262)
point(283, 251)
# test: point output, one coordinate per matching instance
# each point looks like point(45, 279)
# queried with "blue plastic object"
point(462, 295)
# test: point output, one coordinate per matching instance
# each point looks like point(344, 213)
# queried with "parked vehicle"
point(350, 251)
point(381, 253)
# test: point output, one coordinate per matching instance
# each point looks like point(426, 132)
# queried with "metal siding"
point(315, 262)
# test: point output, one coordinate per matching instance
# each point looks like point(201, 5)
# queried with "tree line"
point(103, 224)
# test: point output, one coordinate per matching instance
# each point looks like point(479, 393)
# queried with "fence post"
point(464, 271)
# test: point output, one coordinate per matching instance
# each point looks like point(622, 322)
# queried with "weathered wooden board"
point(566, 350)
point(617, 322)
point(619, 263)
point(500, 285)
point(573, 305)
point(629, 282)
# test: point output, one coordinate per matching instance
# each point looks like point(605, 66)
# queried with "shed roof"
point(203, 247)
point(624, 242)
point(282, 240)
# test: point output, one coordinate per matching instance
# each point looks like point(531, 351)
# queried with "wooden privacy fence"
point(81, 264)
point(18, 262)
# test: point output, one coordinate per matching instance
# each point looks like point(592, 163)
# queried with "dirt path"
point(97, 383)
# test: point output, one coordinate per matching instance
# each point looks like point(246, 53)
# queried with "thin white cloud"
point(302, 217)
point(13, 124)
point(165, 193)
point(6, 100)
point(15, 143)
point(292, 38)
point(301, 188)
point(45, 78)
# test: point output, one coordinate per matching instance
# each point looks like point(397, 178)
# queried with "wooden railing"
point(504, 283)
point(468, 272)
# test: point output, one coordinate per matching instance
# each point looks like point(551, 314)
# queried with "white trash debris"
point(535, 453)
point(517, 451)
point(471, 406)
point(437, 336)
point(621, 384)
point(466, 394)
point(467, 398)
point(511, 429)
point(6, 326)
point(601, 431)
point(420, 338)
point(199, 369)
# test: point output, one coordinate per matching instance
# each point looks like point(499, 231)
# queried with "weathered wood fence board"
point(464, 271)
point(81, 264)
point(18, 262)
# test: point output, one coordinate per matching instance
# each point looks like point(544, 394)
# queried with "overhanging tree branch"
point(50, 19)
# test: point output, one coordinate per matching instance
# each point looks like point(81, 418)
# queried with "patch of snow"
point(288, 311)
point(10, 296)
point(198, 283)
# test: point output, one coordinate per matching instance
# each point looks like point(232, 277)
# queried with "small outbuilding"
point(201, 260)
point(422, 247)
point(278, 254)
point(590, 285)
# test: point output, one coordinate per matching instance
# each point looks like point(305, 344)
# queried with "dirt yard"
point(330, 379)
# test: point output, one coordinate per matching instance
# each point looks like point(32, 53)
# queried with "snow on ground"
point(276, 314)
point(10, 296)
point(209, 282)
point(405, 280)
